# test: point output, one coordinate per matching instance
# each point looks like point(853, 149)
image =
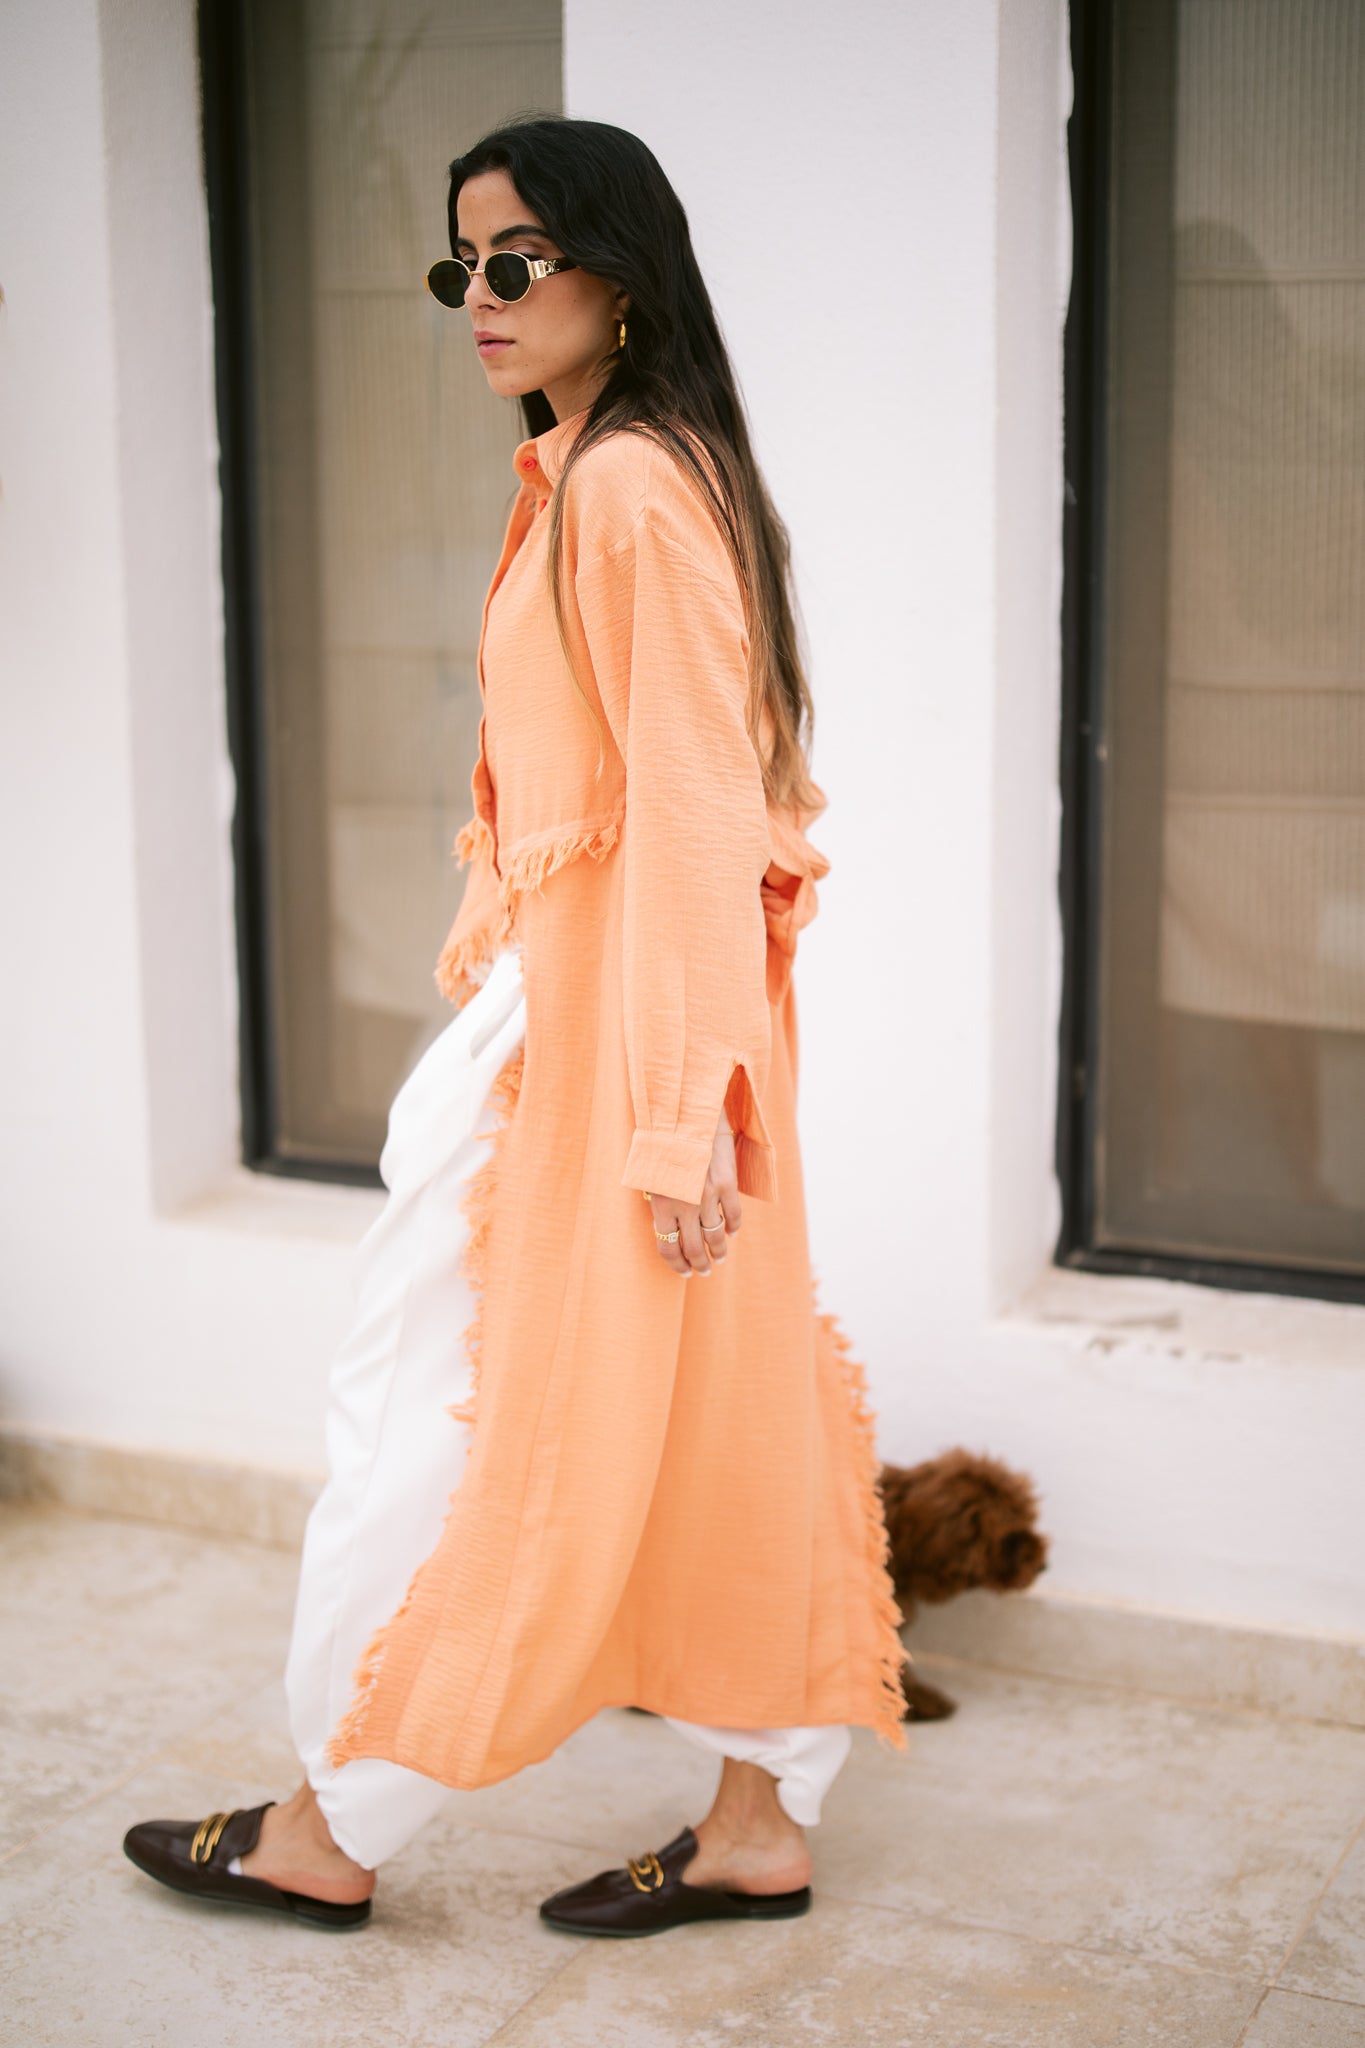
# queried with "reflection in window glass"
point(383, 478)
point(1232, 1071)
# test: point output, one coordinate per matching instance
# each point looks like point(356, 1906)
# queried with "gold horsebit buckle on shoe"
point(646, 1873)
point(207, 1836)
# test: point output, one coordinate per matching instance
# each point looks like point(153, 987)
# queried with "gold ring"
point(668, 1236)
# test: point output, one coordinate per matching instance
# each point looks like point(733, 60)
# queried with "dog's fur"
point(957, 1522)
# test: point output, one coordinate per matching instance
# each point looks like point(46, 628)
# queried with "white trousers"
point(394, 1456)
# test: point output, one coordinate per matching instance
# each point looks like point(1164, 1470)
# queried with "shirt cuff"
point(668, 1163)
point(663, 1164)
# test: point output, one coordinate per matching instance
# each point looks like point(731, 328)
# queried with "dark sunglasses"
point(508, 275)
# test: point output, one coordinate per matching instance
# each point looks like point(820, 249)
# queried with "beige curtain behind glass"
point(1264, 914)
point(1235, 1117)
point(384, 477)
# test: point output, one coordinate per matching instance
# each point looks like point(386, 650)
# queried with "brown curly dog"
point(957, 1522)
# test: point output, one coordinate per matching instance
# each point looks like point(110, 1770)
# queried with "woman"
point(668, 1498)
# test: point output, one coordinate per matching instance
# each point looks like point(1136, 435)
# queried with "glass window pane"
point(1232, 1044)
point(382, 482)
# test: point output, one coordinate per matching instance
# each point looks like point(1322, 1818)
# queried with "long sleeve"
point(663, 621)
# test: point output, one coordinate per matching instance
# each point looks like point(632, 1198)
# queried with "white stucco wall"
point(1191, 1447)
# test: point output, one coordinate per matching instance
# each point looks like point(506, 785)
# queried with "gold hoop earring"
point(621, 335)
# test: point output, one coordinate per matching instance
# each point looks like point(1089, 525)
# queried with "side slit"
point(891, 1654)
point(476, 1204)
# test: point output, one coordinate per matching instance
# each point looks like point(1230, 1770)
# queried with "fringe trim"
point(454, 975)
point(347, 1738)
point(528, 870)
point(533, 867)
point(476, 1206)
point(890, 1720)
point(473, 841)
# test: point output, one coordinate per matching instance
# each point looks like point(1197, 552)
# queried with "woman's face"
point(561, 337)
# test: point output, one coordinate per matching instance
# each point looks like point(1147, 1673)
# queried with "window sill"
point(1104, 1313)
point(246, 1204)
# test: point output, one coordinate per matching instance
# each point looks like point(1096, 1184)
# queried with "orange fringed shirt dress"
point(670, 1497)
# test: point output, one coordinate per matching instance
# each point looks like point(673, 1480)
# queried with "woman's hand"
point(699, 1248)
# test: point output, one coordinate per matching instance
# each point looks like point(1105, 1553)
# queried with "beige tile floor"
point(1059, 1866)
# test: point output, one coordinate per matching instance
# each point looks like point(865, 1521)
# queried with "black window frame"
point(1093, 32)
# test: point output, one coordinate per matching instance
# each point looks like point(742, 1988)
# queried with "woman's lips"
point(490, 344)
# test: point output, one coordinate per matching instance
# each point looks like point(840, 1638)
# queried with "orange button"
point(529, 463)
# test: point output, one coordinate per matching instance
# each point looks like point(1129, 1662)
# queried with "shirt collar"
point(541, 459)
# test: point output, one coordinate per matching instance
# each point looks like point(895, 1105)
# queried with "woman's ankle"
point(747, 1806)
point(765, 1860)
point(295, 1830)
point(749, 1835)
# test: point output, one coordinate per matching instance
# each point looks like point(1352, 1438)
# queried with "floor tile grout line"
point(1321, 1997)
point(491, 2040)
point(103, 1791)
point(946, 1921)
point(145, 1762)
point(1144, 1692)
point(72, 1813)
point(951, 1921)
point(1311, 1915)
point(845, 1898)
point(1252, 2016)
point(1124, 1955)
point(166, 1756)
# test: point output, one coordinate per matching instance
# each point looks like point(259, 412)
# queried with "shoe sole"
point(765, 1913)
point(336, 1919)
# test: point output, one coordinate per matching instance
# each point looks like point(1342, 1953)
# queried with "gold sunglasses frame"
point(539, 266)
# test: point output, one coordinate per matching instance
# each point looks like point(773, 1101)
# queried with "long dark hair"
point(604, 198)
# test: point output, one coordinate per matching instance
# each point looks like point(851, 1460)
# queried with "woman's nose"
point(478, 298)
